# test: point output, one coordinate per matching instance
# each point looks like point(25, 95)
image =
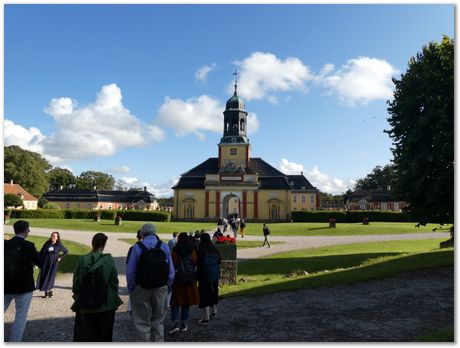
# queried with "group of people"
point(178, 274)
point(20, 258)
point(235, 223)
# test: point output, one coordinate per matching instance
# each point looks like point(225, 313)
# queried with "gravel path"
point(394, 309)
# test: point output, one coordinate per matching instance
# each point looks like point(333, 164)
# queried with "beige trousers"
point(149, 308)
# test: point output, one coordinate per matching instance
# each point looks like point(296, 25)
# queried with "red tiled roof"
point(16, 189)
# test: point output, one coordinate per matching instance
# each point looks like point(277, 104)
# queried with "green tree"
point(60, 177)
point(87, 181)
point(381, 178)
point(11, 200)
point(422, 131)
point(27, 168)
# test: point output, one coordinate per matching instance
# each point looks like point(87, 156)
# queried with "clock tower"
point(234, 146)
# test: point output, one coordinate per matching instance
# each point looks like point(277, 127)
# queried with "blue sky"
point(138, 91)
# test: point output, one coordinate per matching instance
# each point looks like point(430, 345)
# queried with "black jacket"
point(20, 256)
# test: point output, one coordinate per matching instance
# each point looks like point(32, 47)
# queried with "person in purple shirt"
point(148, 306)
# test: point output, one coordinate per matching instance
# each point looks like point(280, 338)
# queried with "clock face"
point(233, 152)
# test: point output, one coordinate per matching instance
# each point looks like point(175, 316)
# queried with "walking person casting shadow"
point(266, 232)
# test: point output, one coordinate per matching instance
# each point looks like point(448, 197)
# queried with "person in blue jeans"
point(20, 256)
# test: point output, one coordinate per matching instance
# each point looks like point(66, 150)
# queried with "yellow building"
point(234, 182)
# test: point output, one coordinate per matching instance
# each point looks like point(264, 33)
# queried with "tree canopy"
point(87, 180)
point(61, 177)
point(381, 178)
point(27, 168)
point(422, 131)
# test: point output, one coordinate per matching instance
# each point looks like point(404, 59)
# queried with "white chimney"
point(11, 182)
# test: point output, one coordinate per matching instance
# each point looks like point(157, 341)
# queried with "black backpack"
point(152, 269)
point(14, 263)
point(93, 290)
point(185, 270)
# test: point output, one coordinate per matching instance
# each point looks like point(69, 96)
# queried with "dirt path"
point(394, 309)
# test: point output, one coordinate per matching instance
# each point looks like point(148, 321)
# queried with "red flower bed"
point(226, 240)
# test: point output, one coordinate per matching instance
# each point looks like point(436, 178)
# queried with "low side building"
point(29, 202)
point(374, 200)
point(102, 199)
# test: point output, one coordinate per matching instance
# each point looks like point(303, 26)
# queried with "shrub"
point(11, 200)
point(349, 216)
point(38, 214)
point(143, 215)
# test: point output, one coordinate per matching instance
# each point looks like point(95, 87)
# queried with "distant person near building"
point(266, 232)
point(242, 227)
point(172, 242)
point(20, 256)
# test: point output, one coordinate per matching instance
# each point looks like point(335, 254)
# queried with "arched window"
point(189, 211)
point(242, 124)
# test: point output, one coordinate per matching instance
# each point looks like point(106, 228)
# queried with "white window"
point(312, 199)
point(67, 205)
point(295, 198)
point(303, 199)
point(78, 205)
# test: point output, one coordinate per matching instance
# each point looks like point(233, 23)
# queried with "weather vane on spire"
point(236, 78)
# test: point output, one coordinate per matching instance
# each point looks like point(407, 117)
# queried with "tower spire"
point(236, 79)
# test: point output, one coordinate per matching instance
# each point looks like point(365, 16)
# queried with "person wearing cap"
point(149, 306)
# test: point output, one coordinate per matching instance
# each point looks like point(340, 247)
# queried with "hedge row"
point(133, 215)
point(349, 216)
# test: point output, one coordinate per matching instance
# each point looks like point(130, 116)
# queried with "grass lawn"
point(241, 243)
point(439, 336)
point(109, 226)
point(278, 229)
point(67, 265)
point(336, 264)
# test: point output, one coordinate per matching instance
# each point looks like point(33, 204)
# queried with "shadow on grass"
point(310, 264)
point(319, 228)
point(379, 270)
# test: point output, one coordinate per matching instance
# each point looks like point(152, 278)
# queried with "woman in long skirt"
point(52, 253)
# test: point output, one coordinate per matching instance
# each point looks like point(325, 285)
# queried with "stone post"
point(229, 263)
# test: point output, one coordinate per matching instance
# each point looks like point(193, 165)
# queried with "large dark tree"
point(422, 130)
point(87, 181)
point(381, 178)
point(27, 169)
point(61, 177)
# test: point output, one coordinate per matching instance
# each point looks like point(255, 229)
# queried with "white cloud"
point(120, 170)
point(196, 115)
point(327, 184)
point(264, 73)
point(160, 190)
point(322, 181)
point(202, 73)
point(360, 80)
point(29, 139)
point(97, 129)
point(290, 168)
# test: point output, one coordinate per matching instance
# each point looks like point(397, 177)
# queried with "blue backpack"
point(211, 267)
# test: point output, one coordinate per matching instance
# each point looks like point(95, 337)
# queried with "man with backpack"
point(19, 260)
point(149, 274)
point(95, 290)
